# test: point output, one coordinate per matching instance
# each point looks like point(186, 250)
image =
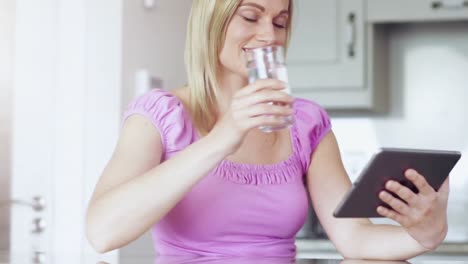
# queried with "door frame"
point(7, 29)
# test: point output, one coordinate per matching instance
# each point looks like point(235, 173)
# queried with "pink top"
point(237, 209)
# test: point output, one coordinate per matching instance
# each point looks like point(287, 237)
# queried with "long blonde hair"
point(206, 31)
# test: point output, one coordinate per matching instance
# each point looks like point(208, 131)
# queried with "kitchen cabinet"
point(385, 11)
point(328, 60)
point(338, 53)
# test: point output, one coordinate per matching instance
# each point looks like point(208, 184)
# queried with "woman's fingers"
point(266, 120)
point(402, 191)
point(262, 91)
point(419, 181)
point(263, 97)
point(265, 115)
point(269, 109)
point(262, 103)
point(397, 205)
point(391, 214)
point(424, 217)
point(408, 208)
point(259, 85)
point(445, 188)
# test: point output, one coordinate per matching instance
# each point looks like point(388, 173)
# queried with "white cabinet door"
point(65, 115)
point(33, 129)
point(383, 11)
point(326, 55)
point(47, 132)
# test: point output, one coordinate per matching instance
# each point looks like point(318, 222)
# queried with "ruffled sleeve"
point(312, 124)
point(166, 112)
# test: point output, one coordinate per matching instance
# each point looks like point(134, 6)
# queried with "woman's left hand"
point(424, 215)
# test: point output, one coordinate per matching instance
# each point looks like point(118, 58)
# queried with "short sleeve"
point(312, 124)
point(167, 114)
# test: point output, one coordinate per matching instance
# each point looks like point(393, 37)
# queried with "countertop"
point(307, 246)
point(324, 249)
point(291, 261)
point(317, 259)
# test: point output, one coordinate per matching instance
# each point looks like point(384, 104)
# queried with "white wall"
point(429, 95)
point(153, 39)
point(103, 100)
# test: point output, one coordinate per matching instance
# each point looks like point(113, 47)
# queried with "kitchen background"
point(426, 67)
point(407, 78)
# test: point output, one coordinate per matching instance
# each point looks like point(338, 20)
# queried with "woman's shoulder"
point(165, 109)
point(309, 110)
point(304, 102)
point(182, 94)
point(158, 101)
point(312, 123)
point(151, 104)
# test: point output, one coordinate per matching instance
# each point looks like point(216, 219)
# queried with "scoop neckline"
point(240, 165)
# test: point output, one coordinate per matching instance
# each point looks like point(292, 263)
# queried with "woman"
point(192, 164)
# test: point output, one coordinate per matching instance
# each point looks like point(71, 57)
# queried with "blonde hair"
point(206, 31)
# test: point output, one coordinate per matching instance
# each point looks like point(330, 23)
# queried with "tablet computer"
point(362, 199)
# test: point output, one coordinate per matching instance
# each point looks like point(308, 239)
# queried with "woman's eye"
point(253, 20)
point(250, 19)
point(280, 22)
point(279, 25)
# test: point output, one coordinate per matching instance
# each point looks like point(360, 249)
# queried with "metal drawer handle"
point(38, 225)
point(39, 257)
point(449, 4)
point(37, 203)
point(351, 35)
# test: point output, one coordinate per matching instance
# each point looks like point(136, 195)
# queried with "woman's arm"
point(354, 238)
point(134, 191)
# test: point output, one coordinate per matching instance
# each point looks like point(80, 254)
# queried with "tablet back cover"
point(390, 163)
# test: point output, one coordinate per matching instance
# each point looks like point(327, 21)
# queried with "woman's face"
point(256, 23)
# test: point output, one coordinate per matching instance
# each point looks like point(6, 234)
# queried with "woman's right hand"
point(249, 109)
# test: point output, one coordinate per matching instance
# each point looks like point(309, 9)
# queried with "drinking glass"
point(265, 63)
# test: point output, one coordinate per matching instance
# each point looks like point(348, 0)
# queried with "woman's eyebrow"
point(263, 8)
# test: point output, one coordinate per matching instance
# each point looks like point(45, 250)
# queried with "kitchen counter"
point(291, 261)
point(315, 259)
point(269, 261)
point(324, 246)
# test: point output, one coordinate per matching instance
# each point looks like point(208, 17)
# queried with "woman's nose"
point(267, 34)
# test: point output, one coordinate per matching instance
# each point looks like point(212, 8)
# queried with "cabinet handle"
point(351, 35)
point(449, 4)
point(38, 225)
point(37, 203)
point(39, 257)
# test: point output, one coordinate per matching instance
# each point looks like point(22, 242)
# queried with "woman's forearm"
point(385, 242)
point(121, 215)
